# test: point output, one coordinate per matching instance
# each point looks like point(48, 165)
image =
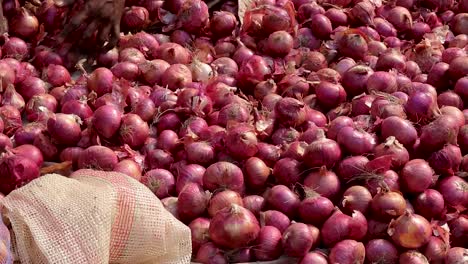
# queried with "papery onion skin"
point(413, 256)
point(160, 181)
point(410, 230)
point(381, 250)
point(224, 174)
point(281, 198)
point(192, 202)
point(456, 255)
point(97, 157)
point(387, 205)
point(274, 218)
point(222, 200)
point(455, 191)
point(199, 232)
point(297, 240)
point(348, 252)
point(234, 227)
point(417, 175)
point(269, 245)
point(340, 226)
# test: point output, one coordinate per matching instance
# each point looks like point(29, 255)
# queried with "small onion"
point(410, 230)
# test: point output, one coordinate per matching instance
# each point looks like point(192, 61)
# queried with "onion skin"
point(234, 227)
point(429, 204)
point(268, 244)
point(160, 181)
point(324, 182)
point(340, 226)
point(106, 120)
point(356, 198)
point(381, 250)
point(417, 175)
point(276, 219)
point(315, 209)
point(192, 202)
point(314, 257)
point(455, 191)
point(456, 255)
point(281, 198)
point(413, 256)
point(348, 252)
point(199, 232)
point(16, 172)
point(98, 158)
point(410, 230)
point(222, 200)
point(323, 152)
point(297, 240)
point(387, 205)
point(223, 174)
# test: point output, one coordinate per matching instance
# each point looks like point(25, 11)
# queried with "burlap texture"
point(93, 217)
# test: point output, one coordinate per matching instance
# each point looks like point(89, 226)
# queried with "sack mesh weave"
point(93, 217)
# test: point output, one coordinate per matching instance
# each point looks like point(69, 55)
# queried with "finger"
point(90, 29)
point(62, 3)
point(74, 23)
point(103, 35)
point(114, 37)
point(35, 2)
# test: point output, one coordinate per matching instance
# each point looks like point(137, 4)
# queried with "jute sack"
point(93, 217)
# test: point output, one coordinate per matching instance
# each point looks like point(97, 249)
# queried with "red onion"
point(256, 173)
point(209, 253)
point(56, 75)
point(269, 246)
point(429, 204)
point(315, 209)
point(355, 79)
point(69, 154)
point(254, 203)
point(352, 45)
point(274, 218)
point(234, 227)
point(199, 232)
point(130, 168)
point(106, 120)
point(64, 129)
point(13, 98)
point(193, 15)
point(223, 175)
point(458, 68)
point(456, 255)
point(281, 198)
point(330, 95)
point(253, 70)
point(287, 171)
point(322, 152)
point(446, 161)
point(29, 152)
point(356, 198)
point(31, 86)
point(436, 249)
point(11, 118)
point(297, 240)
point(400, 128)
point(133, 130)
point(7, 74)
point(192, 202)
point(160, 181)
point(348, 252)
point(387, 205)
point(16, 171)
point(241, 142)
point(355, 141)
point(189, 173)
point(439, 132)
point(101, 81)
point(27, 133)
point(413, 256)
point(176, 76)
point(24, 24)
point(97, 157)
point(391, 146)
point(223, 200)
point(381, 250)
point(458, 230)
point(15, 48)
point(417, 175)
point(410, 230)
point(134, 18)
point(351, 167)
point(340, 226)
point(324, 182)
point(455, 191)
point(109, 58)
point(44, 143)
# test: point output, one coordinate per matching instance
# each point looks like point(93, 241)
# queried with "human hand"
point(102, 16)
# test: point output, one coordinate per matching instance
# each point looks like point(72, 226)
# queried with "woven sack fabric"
point(93, 217)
